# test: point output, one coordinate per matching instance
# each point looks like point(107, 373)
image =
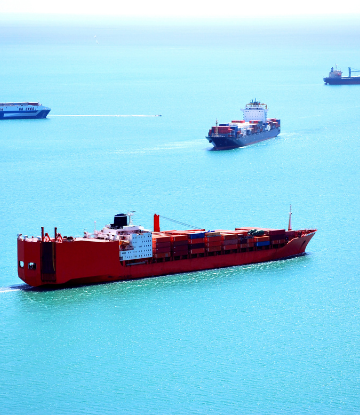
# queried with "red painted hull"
point(89, 261)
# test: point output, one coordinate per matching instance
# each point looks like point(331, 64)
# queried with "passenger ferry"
point(12, 110)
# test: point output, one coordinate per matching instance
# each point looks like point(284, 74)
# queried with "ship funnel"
point(120, 220)
point(156, 223)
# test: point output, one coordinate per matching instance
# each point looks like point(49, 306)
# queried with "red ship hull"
point(82, 261)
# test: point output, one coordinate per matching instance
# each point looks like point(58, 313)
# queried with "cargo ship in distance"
point(335, 77)
point(16, 110)
point(123, 251)
point(254, 127)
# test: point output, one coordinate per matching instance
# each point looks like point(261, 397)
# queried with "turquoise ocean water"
point(271, 338)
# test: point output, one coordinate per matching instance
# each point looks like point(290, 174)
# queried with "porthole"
point(32, 265)
point(21, 264)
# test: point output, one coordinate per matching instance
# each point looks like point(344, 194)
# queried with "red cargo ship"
point(123, 251)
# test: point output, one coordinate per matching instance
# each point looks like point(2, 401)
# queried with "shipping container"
point(196, 235)
point(213, 239)
point(196, 241)
point(196, 246)
point(161, 238)
point(229, 247)
point(262, 243)
point(180, 243)
point(228, 236)
point(278, 241)
point(262, 238)
point(161, 250)
point(162, 255)
point(178, 238)
point(160, 244)
point(180, 253)
point(273, 232)
point(197, 251)
point(216, 248)
point(213, 243)
point(229, 242)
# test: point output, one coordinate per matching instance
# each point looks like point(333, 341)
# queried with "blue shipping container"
point(196, 235)
point(263, 243)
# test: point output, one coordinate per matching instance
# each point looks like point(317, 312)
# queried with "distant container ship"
point(123, 251)
point(16, 110)
point(255, 127)
point(335, 77)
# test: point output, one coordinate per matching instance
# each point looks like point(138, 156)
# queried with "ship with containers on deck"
point(255, 127)
point(22, 110)
point(123, 251)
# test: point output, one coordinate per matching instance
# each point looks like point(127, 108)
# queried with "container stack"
point(262, 241)
point(179, 245)
point(229, 241)
point(277, 236)
point(245, 241)
point(213, 241)
point(182, 243)
point(161, 244)
point(196, 242)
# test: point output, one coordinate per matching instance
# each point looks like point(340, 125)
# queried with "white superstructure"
point(23, 110)
point(335, 73)
point(135, 242)
point(255, 111)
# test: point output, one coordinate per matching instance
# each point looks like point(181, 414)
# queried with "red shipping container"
point(180, 252)
point(278, 241)
point(274, 232)
point(213, 243)
point(228, 236)
point(228, 247)
point(197, 251)
point(180, 243)
point(229, 242)
point(161, 250)
point(216, 248)
point(160, 244)
point(161, 238)
point(213, 239)
point(262, 238)
point(196, 241)
point(162, 255)
point(178, 238)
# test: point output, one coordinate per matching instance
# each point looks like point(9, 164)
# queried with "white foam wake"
point(13, 288)
point(103, 115)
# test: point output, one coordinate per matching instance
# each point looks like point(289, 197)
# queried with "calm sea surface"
point(273, 338)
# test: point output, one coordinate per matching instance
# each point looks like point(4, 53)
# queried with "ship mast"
point(289, 227)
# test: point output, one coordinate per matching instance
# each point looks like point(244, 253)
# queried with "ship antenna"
point(130, 214)
point(289, 228)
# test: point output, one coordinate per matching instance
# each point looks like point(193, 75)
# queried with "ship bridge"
point(255, 111)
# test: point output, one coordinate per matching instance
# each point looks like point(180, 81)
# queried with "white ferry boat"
point(11, 110)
